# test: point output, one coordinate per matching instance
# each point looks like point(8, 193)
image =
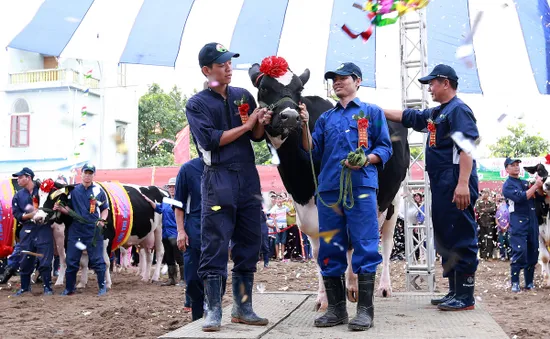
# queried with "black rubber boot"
point(213, 298)
point(181, 283)
point(242, 311)
point(529, 275)
point(336, 312)
point(448, 296)
point(172, 272)
point(10, 272)
point(365, 308)
point(464, 297)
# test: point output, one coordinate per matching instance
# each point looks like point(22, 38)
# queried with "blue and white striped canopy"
point(306, 32)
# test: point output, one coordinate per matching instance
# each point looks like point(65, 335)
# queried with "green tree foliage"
point(519, 144)
point(161, 116)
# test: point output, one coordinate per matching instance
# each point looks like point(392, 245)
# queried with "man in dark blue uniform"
point(336, 134)
point(524, 228)
point(188, 220)
point(89, 201)
point(33, 237)
point(230, 185)
point(453, 183)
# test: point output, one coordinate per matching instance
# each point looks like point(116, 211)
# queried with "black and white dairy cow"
point(281, 93)
point(146, 228)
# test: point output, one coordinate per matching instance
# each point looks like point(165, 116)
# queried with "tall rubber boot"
point(464, 297)
point(529, 275)
point(365, 308)
point(47, 280)
point(10, 271)
point(448, 296)
point(336, 313)
point(172, 271)
point(181, 283)
point(213, 298)
point(25, 285)
point(242, 311)
point(101, 283)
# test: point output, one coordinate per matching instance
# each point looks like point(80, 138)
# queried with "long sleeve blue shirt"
point(454, 116)
point(20, 201)
point(336, 134)
point(80, 201)
point(169, 227)
point(522, 210)
point(209, 115)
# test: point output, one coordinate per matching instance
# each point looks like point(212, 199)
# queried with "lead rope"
point(345, 189)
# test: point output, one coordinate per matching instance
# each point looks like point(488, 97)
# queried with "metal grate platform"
point(405, 315)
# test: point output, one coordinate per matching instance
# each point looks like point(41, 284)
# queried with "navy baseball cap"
point(510, 161)
point(24, 171)
point(347, 68)
point(440, 71)
point(88, 167)
point(215, 53)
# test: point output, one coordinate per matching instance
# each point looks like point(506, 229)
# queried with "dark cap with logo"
point(347, 68)
point(510, 161)
point(215, 53)
point(440, 71)
point(24, 171)
point(88, 167)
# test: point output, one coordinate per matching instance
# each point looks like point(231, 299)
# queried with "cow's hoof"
point(352, 295)
point(79, 286)
point(320, 307)
point(384, 292)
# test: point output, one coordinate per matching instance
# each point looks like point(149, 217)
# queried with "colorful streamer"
point(83, 114)
point(383, 13)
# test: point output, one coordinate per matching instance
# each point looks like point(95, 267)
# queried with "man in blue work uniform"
point(169, 235)
point(188, 219)
point(13, 264)
point(453, 183)
point(524, 228)
point(89, 201)
point(37, 238)
point(336, 134)
point(230, 185)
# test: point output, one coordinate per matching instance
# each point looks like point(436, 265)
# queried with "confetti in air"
point(216, 208)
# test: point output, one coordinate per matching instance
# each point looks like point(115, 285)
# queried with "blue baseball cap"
point(510, 161)
point(24, 171)
point(88, 167)
point(215, 53)
point(440, 71)
point(347, 68)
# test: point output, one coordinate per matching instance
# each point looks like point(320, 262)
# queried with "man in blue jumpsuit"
point(13, 264)
point(336, 134)
point(453, 183)
point(230, 186)
point(37, 238)
point(169, 235)
point(524, 228)
point(188, 219)
point(89, 201)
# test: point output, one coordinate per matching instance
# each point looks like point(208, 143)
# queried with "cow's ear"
point(254, 73)
point(530, 169)
point(304, 77)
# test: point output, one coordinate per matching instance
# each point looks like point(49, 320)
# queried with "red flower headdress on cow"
point(47, 186)
point(272, 66)
point(547, 157)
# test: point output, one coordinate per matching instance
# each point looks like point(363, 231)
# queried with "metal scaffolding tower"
point(419, 238)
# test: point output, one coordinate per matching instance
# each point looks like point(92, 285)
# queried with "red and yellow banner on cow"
point(7, 231)
point(121, 210)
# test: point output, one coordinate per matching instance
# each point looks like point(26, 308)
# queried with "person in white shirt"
point(278, 214)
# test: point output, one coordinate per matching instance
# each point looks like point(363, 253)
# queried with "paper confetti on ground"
point(260, 288)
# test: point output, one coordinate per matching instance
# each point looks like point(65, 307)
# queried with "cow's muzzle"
point(290, 118)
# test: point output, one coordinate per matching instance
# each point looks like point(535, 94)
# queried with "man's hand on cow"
point(252, 119)
point(183, 240)
point(538, 182)
point(462, 196)
point(304, 115)
point(264, 116)
point(100, 223)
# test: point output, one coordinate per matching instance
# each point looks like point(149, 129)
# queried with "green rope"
point(356, 158)
point(81, 219)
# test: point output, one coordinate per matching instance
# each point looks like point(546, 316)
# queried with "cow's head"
point(49, 193)
point(280, 91)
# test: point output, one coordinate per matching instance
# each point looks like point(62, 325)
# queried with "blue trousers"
point(455, 230)
point(15, 258)
point(358, 226)
point(195, 286)
point(38, 239)
point(504, 244)
point(230, 211)
point(95, 255)
point(524, 242)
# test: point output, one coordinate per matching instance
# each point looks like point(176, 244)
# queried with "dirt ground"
point(133, 309)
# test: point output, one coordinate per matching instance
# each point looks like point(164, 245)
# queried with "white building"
point(41, 120)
